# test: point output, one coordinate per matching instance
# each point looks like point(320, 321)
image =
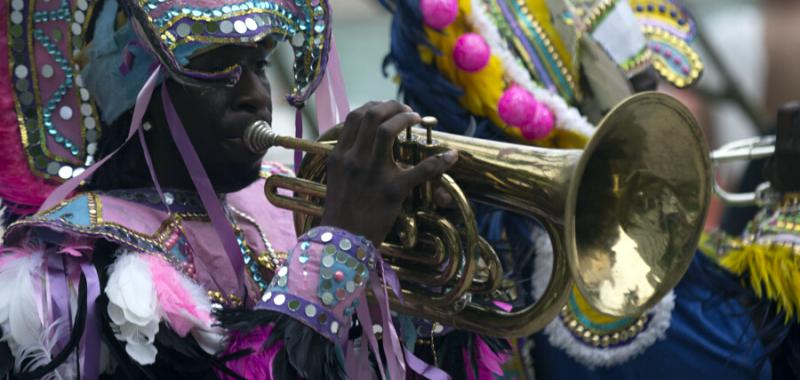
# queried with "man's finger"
point(374, 117)
point(351, 125)
point(387, 133)
point(429, 168)
point(442, 198)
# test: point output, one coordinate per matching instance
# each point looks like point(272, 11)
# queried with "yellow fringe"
point(774, 273)
point(483, 89)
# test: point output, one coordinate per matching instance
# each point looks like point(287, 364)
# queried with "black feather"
point(305, 354)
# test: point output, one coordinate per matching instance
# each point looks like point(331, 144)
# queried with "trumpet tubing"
point(624, 215)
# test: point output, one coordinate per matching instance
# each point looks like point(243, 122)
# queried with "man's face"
point(215, 118)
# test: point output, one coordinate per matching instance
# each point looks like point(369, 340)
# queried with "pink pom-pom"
point(438, 14)
point(541, 124)
point(517, 106)
point(471, 52)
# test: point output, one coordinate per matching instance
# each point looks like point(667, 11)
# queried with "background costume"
point(541, 72)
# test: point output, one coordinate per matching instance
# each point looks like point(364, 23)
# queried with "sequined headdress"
point(528, 68)
point(68, 67)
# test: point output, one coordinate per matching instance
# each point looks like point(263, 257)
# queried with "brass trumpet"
point(624, 215)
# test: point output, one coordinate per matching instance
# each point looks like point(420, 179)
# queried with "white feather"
point(19, 315)
point(133, 306)
point(211, 340)
point(142, 353)
point(40, 352)
point(130, 287)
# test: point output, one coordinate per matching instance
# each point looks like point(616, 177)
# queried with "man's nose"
point(252, 94)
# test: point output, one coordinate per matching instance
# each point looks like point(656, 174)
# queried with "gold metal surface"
point(624, 215)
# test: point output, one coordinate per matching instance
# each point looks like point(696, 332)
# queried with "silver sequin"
point(89, 123)
point(226, 26)
point(334, 327)
point(298, 39)
point(327, 298)
point(266, 296)
point(240, 27)
point(65, 113)
point(47, 71)
point(327, 261)
point(326, 237)
point(311, 310)
point(76, 29)
point(80, 16)
point(21, 71)
point(77, 172)
point(16, 17)
point(345, 244)
point(250, 24)
point(283, 271)
point(183, 30)
point(279, 299)
point(86, 109)
point(17, 5)
point(350, 286)
point(65, 172)
point(52, 168)
point(326, 273)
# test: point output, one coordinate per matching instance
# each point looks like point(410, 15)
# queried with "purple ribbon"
point(391, 343)
point(91, 337)
point(366, 322)
point(298, 132)
point(204, 188)
point(59, 293)
point(151, 168)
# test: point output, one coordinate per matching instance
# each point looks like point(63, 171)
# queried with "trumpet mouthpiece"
point(259, 137)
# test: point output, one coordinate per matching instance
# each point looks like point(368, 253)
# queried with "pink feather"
point(177, 302)
point(487, 363)
point(257, 365)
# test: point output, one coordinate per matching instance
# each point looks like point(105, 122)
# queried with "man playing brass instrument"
point(167, 262)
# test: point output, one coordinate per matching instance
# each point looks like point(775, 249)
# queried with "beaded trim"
point(597, 335)
point(673, 58)
point(59, 124)
point(304, 22)
point(534, 48)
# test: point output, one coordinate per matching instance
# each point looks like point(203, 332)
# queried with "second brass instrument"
point(624, 215)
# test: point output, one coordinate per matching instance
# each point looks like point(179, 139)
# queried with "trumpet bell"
point(636, 204)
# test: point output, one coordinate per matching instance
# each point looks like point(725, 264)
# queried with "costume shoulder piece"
point(767, 256)
point(130, 218)
point(48, 120)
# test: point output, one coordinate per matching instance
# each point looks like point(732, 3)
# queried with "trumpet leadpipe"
point(260, 136)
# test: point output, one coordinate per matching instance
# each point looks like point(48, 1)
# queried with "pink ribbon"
point(204, 188)
point(331, 97)
point(142, 100)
